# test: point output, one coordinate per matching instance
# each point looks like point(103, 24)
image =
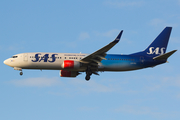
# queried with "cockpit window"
point(14, 56)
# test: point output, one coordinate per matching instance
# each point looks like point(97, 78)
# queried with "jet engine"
point(70, 64)
point(65, 73)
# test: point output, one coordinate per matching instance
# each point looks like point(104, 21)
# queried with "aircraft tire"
point(21, 73)
point(87, 77)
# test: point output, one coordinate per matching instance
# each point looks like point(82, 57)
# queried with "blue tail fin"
point(159, 45)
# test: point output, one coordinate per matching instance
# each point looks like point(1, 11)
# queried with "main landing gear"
point(88, 73)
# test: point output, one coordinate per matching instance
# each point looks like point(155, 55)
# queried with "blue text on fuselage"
point(44, 58)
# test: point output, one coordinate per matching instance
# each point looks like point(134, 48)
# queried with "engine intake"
point(70, 64)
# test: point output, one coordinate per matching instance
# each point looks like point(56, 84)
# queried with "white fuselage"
point(51, 61)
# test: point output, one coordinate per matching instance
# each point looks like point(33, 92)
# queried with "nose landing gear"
point(21, 73)
point(20, 69)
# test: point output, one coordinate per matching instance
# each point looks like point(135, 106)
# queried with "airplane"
point(73, 64)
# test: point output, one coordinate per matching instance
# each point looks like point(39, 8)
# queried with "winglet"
point(118, 37)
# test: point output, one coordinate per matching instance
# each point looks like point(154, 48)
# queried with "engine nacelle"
point(70, 64)
point(65, 73)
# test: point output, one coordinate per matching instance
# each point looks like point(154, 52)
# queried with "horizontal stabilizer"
point(164, 56)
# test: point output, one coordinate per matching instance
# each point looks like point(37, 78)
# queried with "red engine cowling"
point(65, 73)
point(70, 64)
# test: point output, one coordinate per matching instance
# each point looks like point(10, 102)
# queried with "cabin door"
point(25, 57)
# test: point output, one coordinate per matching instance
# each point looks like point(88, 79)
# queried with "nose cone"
point(6, 62)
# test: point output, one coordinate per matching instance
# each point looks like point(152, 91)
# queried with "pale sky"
point(86, 26)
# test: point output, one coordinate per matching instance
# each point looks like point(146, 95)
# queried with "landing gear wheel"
point(88, 73)
point(87, 77)
point(21, 73)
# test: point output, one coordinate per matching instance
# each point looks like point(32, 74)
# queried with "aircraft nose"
point(6, 62)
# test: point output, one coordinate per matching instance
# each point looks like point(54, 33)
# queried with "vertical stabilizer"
point(159, 45)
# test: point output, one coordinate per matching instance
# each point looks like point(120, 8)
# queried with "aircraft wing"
point(100, 54)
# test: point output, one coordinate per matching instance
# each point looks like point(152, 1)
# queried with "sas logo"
point(157, 51)
point(44, 58)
